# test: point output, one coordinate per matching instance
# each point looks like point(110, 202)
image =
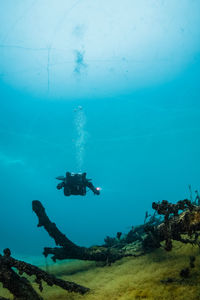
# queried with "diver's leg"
point(67, 191)
point(68, 175)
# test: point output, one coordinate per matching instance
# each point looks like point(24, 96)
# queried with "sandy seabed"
point(130, 278)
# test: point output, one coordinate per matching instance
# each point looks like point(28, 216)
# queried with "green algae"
point(131, 278)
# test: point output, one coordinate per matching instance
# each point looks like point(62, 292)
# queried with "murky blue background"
point(134, 69)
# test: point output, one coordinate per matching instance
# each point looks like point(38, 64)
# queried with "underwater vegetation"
point(150, 241)
point(130, 278)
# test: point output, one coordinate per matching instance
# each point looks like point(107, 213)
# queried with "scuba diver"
point(75, 184)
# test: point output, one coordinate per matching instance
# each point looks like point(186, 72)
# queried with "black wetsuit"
point(75, 184)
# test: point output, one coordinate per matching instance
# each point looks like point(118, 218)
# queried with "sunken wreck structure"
point(179, 222)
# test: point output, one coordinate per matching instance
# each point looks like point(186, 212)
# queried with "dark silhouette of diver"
point(75, 184)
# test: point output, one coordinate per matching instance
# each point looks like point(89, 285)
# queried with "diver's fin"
point(60, 178)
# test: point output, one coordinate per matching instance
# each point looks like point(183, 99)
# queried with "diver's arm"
point(60, 185)
point(91, 186)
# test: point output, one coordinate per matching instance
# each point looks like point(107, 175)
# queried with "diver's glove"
point(97, 191)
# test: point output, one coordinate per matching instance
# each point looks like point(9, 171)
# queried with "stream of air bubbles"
point(81, 137)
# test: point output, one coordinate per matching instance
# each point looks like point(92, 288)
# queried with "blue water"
point(139, 144)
